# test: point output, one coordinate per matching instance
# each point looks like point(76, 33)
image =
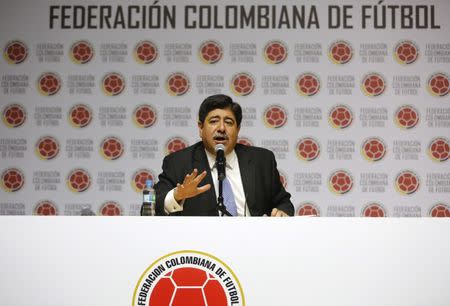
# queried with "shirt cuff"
point(170, 204)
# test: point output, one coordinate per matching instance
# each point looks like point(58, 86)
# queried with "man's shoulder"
point(183, 153)
point(252, 150)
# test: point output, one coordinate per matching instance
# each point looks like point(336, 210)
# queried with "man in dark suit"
point(252, 180)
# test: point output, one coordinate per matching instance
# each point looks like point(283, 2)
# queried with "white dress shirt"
point(234, 176)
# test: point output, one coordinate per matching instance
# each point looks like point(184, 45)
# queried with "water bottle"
point(148, 199)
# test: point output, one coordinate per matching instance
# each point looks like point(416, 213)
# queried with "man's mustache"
point(222, 136)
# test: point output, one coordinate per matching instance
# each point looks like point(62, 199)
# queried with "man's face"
point(220, 126)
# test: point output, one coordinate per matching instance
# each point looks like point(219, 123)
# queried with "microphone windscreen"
point(219, 147)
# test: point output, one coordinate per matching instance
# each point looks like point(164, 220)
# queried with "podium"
point(278, 261)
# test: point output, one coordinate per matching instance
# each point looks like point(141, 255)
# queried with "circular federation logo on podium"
point(14, 115)
point(340, 52)
point(49, 84)
point(439, 84)
point(46, 208)
point(275, 52)
point(439, 149)
point(12, 180)
point(210, 52)
point(145, 52)
point(188, 278)
point(15, 52)
point(406, 52)
point(81, 52)
point(373, 84)
point(242, 84)
point(307, 84)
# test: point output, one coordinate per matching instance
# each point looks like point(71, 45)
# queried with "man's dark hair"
point(219, 101)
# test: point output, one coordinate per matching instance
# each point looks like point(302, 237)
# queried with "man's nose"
point(222, 126)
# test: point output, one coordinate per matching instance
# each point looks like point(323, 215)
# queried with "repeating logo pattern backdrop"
point(358, 118)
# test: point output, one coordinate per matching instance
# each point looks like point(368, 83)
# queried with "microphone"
point(220, 161)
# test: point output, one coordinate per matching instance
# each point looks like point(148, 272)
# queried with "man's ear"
point(200, 127)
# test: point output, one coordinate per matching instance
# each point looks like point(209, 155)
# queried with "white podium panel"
point(291, 261)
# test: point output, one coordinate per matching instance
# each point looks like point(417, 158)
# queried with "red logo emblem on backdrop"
point(407, 182)
point(188, 278)
point(308, 209)
point(47, 147)
point(113, 84)
point(14, 115)
point(373, 210)
point(373, 84)
point(12, 180)
point(275, 52)
point(340, 182)
point(144, 116)
point(242, 84)
point(210, 52)
point(439, 149)
point(110, 208)
point(406, 117)
point(145, 52)
point(177, 84)
point(275, 116)
point(15, 52)
point(140, 177)
point(340, 117)
point(81, 52)
point(283, 178)
point(438, 85)
point(406, 52)
point(111, 148)
point(175, 144)
point(45, 208)
point(78, 180)
point(308, 149)
point(49, 84)
point(307, 84)
point(80, 115)
point(245, 141)
point(440, 210)
point(340, 52)
point(373, 149)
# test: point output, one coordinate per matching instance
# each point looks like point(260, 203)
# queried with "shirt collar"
point(231, 157)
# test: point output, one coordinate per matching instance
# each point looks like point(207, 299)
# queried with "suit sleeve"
point(167, 180)
point(281, 199)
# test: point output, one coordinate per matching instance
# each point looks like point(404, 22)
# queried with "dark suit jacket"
point(259, 174)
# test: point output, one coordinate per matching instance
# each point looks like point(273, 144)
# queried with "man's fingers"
point(274, 212)
point(278, 213)
point(200, 177)
point(203, 188)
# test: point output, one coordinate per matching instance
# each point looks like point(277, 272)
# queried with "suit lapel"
point(200, 161)
point(247, 169)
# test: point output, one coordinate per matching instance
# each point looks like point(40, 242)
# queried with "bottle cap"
point(149, 183)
